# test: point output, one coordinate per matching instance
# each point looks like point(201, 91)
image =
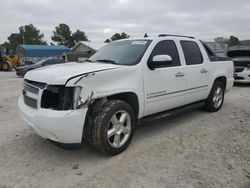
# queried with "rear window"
point(192, 53)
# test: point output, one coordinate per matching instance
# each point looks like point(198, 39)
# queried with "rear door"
point(197, 72)
point(164, 88)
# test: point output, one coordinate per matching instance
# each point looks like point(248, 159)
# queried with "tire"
point(113, 127)
point(5, 66)
point(215, 99)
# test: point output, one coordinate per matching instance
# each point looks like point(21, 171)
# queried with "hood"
point(59, 74)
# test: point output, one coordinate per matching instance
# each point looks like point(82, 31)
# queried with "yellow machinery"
point(8, 62)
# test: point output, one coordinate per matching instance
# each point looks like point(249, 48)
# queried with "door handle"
point(179, 74)
point(204, 71)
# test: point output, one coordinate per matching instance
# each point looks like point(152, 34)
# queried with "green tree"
point(233, 41)
point(221, 43)
point(13, 41)
point(28, 34)
point(221, 40)
point(79, 36)
point(118, 36)
point(31, 35)
point(107, 41)
point(64, 36)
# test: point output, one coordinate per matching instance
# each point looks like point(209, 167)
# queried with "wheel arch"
point(221, 79)
point(95, 107)
point(129, 97)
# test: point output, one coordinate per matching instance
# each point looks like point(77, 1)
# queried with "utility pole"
point(23, 28)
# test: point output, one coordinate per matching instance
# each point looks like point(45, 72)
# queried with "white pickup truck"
point(102, 99)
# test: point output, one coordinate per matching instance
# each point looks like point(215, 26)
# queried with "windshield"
point(128, 52)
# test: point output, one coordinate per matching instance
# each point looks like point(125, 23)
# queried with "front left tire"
point(113, 127)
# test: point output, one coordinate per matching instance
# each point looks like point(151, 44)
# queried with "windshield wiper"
point(107, 61)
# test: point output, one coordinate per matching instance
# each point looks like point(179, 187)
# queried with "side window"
point(191, 52)
point(167, 47)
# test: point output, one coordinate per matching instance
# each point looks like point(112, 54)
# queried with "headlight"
point(77, 101)
point(62, 98)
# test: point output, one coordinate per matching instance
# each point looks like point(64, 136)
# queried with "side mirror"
point(160, 61)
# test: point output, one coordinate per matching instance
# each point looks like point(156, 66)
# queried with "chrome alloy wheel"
point(119, 129)
point(218, 97)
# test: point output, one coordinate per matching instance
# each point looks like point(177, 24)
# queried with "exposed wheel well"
point(128, 97)
point(223, 80)
point(97, 106)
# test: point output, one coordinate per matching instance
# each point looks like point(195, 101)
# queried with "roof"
point(93, 45)
point(42, 50)
point(98, 45)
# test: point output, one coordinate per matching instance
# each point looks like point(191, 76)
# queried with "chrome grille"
point(32, 87)
point(239, 69)
point(242, 64)
point(35, 84)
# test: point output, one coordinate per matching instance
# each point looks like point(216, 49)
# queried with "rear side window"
point(167, 47)
point(191, 52)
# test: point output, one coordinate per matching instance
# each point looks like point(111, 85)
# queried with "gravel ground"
point(195, 149)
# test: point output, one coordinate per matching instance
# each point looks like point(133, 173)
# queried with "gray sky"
point(100, 19)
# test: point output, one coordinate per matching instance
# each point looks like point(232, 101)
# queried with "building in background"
point(34, 53)
point(82, 51)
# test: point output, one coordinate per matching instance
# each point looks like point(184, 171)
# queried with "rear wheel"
point(113, 127)
point(216, 97)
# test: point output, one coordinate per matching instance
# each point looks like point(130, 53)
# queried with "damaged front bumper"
point(60, 126)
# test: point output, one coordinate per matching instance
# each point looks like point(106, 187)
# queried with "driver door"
point(164, 87)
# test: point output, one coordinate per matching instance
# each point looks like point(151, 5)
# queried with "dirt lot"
point(195, 149)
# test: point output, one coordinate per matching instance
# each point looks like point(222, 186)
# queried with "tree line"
point(62, 35)
point(231, 41)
